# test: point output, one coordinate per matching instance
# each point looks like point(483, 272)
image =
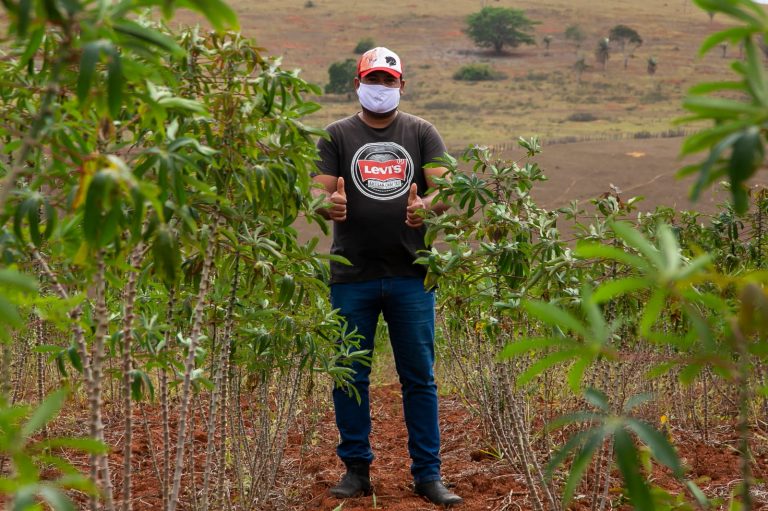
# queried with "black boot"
point(437, 493)
point(355, 483)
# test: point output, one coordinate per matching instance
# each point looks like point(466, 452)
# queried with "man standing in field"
point(373, 175)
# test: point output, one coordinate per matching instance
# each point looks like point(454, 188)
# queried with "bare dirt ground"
point(581, 171)
point(485, 482)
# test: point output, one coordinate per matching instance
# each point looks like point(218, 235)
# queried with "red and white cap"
point(380, 59)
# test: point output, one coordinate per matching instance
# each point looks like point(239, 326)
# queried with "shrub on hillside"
point(341, 76)
point(363, 45)
point(477, 72)
point(582, 117)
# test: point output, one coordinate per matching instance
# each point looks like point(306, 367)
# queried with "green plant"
point(628, 40)
point(575, 34)
point(603, 51)
point(341, 76)
point(477, 72)
point(24, 486)
point(496, 27)
point(735, 141)
point(364, 44)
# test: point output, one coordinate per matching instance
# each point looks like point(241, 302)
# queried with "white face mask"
point(378, 98)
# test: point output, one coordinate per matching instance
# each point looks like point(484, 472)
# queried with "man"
point(374, 178)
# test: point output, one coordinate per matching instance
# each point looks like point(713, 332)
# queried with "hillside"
point(541, 91)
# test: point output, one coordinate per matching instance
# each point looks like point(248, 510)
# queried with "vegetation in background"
point(496, 27)
point(149, 185)
point(477, 73)
point(364, 44)
point(341, 77)
point(628, 40)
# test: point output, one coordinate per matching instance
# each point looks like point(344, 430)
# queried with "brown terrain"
point(310, 466)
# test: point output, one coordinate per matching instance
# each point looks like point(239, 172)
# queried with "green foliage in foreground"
point(735, 142)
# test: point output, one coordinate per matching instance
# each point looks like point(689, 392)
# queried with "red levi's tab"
point(383, 170)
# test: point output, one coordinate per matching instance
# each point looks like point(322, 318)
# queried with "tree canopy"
point(496, 27)
point(628, 40)
point(624, 35)
point(341, 75)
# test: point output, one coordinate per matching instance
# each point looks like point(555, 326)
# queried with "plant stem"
point(189, 366)
point(129, 301)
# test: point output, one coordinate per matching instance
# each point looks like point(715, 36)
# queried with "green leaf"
point(707, 87)
point(628, 462)
point(637, 400)
point(599, 251)
point(636, 240)
point(731, 34)
point(717, 108)
point(148, 36)
point(98, 192)
point(580, 463)
point(597, 399)
point(89, 445)
point(8, 316)
point(46, 411)
point(182, 104)
point(543, 364)
point(221, 15)
point(652, 311)
point(114, 82)
point(523, 346)
point(166, 255)
point(576, 373)
point(660, 447)
point(56, 498)
point(88, 60)
point(12, 279)
point(618, 287)
point(555, 316)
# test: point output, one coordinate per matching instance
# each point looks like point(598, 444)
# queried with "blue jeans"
point(409, 311)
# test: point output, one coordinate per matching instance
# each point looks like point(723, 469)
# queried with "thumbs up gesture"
point(415, 204)
point(338, 209)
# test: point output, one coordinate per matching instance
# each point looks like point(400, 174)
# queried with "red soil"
point(310, 466)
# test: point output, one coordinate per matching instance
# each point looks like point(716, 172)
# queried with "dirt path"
point(481, 480)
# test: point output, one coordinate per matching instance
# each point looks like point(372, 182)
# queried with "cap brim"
point(389, 70)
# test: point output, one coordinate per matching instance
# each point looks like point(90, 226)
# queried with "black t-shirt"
point(378, 167)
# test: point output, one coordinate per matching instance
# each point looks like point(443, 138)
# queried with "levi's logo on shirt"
point(382, 170)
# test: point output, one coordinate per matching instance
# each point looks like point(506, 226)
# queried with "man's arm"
point(332, 190)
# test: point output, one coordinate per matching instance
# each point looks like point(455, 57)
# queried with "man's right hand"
point(338, 209)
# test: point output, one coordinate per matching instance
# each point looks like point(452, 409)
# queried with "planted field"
point(167, 339)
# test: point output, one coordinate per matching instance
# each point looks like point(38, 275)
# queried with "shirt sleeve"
point(328, 156)
point(432, 145)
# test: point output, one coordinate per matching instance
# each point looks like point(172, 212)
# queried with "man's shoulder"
point(342, 124)
point(414, 119)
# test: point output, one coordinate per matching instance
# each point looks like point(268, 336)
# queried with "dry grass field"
point(541, 90)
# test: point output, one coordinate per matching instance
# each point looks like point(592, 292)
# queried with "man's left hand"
point(414, 212)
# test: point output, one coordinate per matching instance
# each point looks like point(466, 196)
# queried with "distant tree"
point(496, 27)
point(341, 77)
point(580, 66)
point(575, 34)
point(603, 51)
point(547, 40)
point(652, 65)
point(363, 45)
point(628, 40)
